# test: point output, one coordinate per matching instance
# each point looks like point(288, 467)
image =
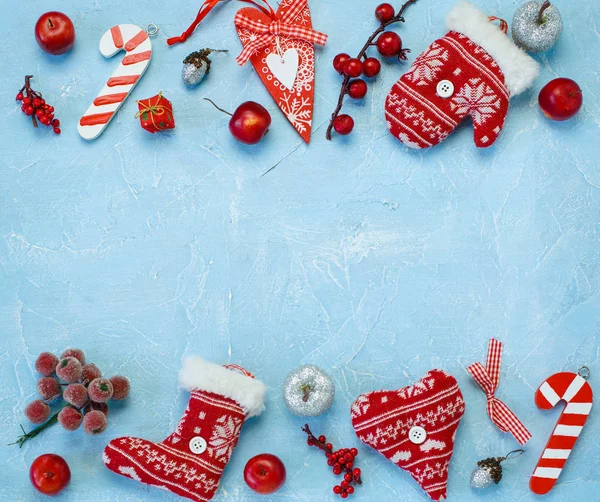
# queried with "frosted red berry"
point(70, 418)
point(120, 387)
point(48, 388)
point(57, 130)
point(103, 407)
point(343, 124)
point(37, 411)
point(94, 422)
point(100, 390)
point(337, 470)
point(20, 96)
point(353, 67)
point(389, 44)
point(350, 490)
point(344, 495)
point(69, 369)
point(46, 363)
point(76, 394)
point(337, 489)
point(89, 372)
point(357, 89)
point(354, 451)
point(76, 353)
point(339, 61)
point(384, 12)
point(371, 67)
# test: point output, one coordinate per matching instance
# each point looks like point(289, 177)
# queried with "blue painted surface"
point(372, 261)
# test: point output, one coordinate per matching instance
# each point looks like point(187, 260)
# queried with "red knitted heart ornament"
point(414, 427)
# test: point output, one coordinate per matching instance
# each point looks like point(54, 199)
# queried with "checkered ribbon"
point(488, 378)
point(283, 26)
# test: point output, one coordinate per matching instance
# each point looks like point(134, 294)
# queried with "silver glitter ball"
point(532, 36)
point(192, 74)
point(308, 391)
point(481, 478)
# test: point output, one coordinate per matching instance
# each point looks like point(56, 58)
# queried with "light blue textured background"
point(370, 260)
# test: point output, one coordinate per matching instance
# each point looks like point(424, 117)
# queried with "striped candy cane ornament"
point(577, 393)
point(138, 47)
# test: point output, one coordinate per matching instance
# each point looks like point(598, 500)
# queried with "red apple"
point(560, 99)
point(55, 33)
point(250, 122)
point(264, 473)
point(49, 474)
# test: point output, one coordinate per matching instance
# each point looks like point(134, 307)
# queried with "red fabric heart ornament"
point(414, 427)
point(290, 27)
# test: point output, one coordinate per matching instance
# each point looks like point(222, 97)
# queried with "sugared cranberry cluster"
point(34, 106)
point(388, 43)
point(341, 460)
point(81, 385)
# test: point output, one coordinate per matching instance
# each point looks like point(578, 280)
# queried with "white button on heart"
point(198, 445)
point(445, 89)
point(417, 435)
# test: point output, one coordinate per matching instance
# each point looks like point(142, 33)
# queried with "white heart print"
point(285, 67)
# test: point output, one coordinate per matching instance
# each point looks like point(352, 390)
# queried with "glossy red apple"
point(49, 474)
point(55, 33)
point(560, 99)
point(250, 122)
point(264, 473)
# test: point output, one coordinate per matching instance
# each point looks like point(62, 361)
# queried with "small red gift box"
point(156, 113)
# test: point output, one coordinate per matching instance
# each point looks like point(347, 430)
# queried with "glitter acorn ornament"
point(308, 391)
point(489, 470)
point(536, 26)
point(196, 66)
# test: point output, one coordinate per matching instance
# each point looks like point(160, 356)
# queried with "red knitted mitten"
point(473, 70)
point(414, 427)
point(190, 461)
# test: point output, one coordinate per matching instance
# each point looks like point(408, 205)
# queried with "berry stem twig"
point(30, 435)
point(217, 107)
point(362, 54)
point(30, 93)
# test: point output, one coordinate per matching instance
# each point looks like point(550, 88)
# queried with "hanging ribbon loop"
point(488, 378)
point(283, 26)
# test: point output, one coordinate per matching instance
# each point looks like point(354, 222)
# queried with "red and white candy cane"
point(577, 393)
point(138, 47)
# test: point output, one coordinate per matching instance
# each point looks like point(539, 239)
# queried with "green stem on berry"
point(26, 436)
point(370, 41)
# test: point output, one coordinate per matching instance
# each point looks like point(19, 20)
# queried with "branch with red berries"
point(389, 44)
point(33, 105)
point(341, 461)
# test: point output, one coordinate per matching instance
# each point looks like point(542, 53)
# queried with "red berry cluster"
point(34, 106)
point(388, 43)
point(341, 460)
point(80, 385)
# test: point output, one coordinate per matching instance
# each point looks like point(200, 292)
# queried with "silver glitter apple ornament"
point(536, 26)
point(196, 66)
point(308, 391)
point(489, 470)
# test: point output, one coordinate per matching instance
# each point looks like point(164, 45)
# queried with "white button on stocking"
point(417, 435)
point(198, 445)
point(444, 89)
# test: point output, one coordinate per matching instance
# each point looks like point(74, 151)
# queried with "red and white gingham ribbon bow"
point(278, 27)
point(488, 379)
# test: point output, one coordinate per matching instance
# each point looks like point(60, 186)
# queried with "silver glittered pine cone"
point(196, 65)
point(308, 391)
point(489, 470)
point(536, 26)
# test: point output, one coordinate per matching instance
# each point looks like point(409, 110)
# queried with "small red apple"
point(49, 474)
point(250, 122)
point(560, 99)
point(264, 473)
point(55, 33)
